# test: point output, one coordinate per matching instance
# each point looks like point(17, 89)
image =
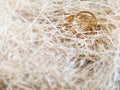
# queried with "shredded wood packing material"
point(40, 51)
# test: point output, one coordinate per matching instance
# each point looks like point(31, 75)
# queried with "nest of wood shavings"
point(39, 50)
